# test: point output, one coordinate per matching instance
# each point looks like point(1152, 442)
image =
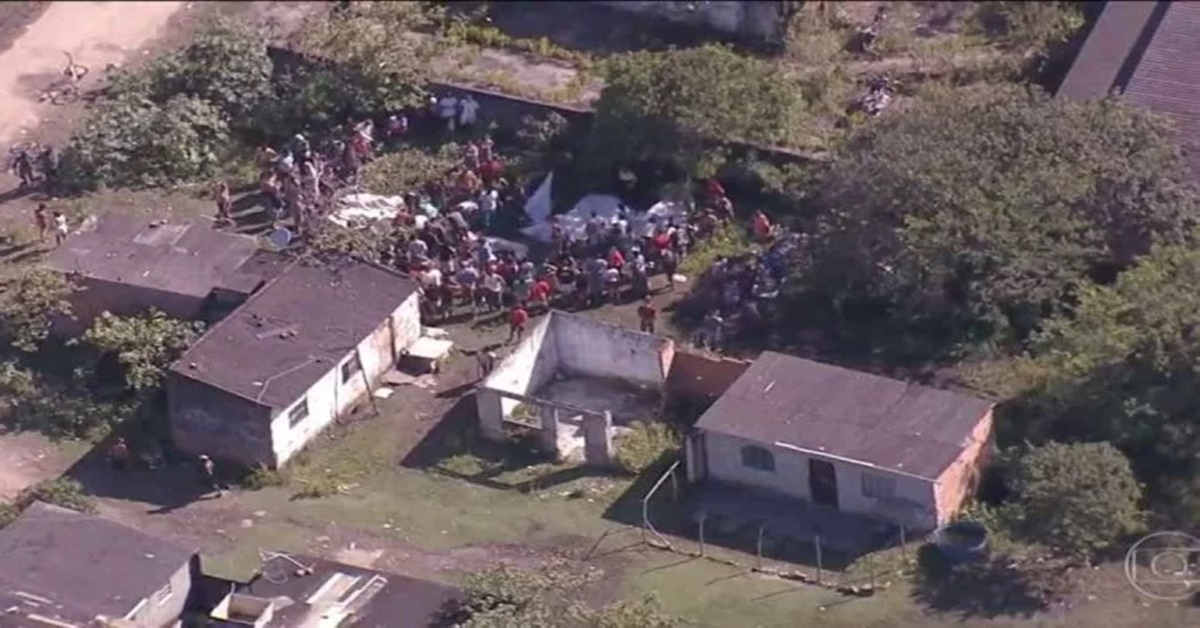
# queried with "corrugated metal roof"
point(876, 420)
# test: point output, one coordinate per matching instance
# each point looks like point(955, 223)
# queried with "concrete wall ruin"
point(561, 346)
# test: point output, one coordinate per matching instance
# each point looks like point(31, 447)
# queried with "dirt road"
point(94, 33)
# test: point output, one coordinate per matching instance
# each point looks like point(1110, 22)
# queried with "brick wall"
point(702, 378)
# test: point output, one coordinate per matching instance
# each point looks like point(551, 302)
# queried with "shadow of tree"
point(993, 586)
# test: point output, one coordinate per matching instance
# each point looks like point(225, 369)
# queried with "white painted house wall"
point(723, 461)
point(330, 396)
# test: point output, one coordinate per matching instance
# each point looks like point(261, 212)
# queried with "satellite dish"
point(280, 238)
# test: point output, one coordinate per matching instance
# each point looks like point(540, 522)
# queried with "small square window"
point(351, 368)
point(298, 413)
point(878, 486)
point(163, 594)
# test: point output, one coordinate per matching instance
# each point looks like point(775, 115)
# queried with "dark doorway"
point(822, 482)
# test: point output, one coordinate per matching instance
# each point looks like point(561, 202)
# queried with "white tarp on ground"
point(607, 207)
point(539, 204)
point(360, 208)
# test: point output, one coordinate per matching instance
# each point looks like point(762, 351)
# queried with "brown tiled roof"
point(294, 330)
point(1150, 52)
point(180, 258)
point(404, 602)
point(84, 564)
point(850, 414)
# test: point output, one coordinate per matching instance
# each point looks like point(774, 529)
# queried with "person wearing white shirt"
point(489, 201)
point(447, 110)
point(433, 278)
point(468, 111)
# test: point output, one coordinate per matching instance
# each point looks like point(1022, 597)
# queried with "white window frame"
point(294, 420)
point(350, 368)
point(878, 486)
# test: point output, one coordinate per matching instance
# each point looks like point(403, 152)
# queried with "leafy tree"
point(227, 66)
point(974, 215)
point(29, 300)
point(1077, 498)
point(1030, 25)
point(377, 50)
point(666, 107)
point(1121, 368)
point(546, 598)
point(408, 169)
point(144, 345)
point(33, 404)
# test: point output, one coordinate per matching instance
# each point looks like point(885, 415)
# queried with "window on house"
point(757, 457)
point(163, 594)
point(298, 413)
point(351, 368)
point(878, 486)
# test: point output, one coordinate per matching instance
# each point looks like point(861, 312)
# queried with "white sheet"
point(538, 206)
point(575, 221)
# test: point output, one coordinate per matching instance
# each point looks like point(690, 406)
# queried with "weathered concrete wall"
point(209, 420)
point(962, 476)
point(530, 366)
point(702, 378)
point(164, 606)
point(756, 20)
point(334, 394)
point(596, 349)
point(97, 296)
point(723, 463)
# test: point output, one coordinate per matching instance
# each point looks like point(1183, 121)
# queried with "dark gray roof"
point(180, 258)
point(274, 347)
point(85, 565)
point(1150, 52)
point(404, 602)
point(867, 418)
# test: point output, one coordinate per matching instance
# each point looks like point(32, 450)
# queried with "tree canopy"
point(29, 300)
point(1077, 498)
point(143, 345)
point(978, 214)
point(667, 106)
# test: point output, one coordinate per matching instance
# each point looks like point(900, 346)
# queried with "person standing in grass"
point(647, 316)
point(41, 220)
point(61, 228)
point(517, 319)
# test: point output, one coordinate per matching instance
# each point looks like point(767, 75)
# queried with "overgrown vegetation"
point(409, 169)
point(144, 346)
point(644, 445)
point(666, 108)
point(30, 298)
point(64, 492)
point(547, 597)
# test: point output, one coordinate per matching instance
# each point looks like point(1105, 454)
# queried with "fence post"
point(760, 537)
point(703, 516)
point(820, 567)
point(674, 487)
point(903, 547)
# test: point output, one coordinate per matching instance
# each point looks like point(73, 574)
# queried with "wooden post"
point(362, 370)
point(703, 516)
point(903, 547)
point(871, 568)
point(674, 487)
point(820, 567)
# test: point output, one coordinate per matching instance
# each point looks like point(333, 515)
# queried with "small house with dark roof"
point(860, 443)
point(302, 350)
point(128, 264)
point(1147, 53)
point(294, 590)
point(63, 568)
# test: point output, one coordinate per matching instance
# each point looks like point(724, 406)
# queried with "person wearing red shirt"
point(491, 170)
point(516, 322)
point(715, 189)
point(616, 259)
point(540, 294)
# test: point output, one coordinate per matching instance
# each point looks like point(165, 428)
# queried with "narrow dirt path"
point(96, 34)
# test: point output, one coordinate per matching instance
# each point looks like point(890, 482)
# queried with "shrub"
point(33, 405)
point(730, 241)
point(645, 445)
point(408, 169)
point(8, 514)
point(261, 477)
point(317, 488)
point(64, 492)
